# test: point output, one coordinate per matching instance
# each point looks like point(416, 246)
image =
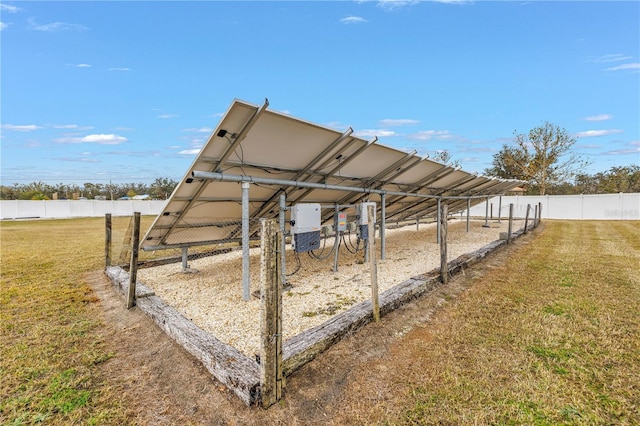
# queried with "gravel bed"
point(213, 298)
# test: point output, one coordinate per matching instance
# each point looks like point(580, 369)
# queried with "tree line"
point(160, 189)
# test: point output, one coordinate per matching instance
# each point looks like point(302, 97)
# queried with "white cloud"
point(369, 133)
point(425, 135)
point(353, 20)
point(21, 128)
point(167, 116)
point(56, 26)
point(82, 66)
point(3, 26)
point(199, 130)
point(395, 4)
point(78, 159)
point(71, 127)
point(190, 151)
point(119, 69)
point(612, 57)
point(634, 143)
point(9, 8)
point(398, 122)
point(631, 66)
point(597, 133)
point(624, 151)
point(99, 138)
point(600, 117)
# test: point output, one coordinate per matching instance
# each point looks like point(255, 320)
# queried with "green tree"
point(162, 188)
point(543, 158)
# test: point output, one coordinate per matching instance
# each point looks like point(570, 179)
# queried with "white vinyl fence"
point(597, 207)
point(605, 206)
point(58, 209)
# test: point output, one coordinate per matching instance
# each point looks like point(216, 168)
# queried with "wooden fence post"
point(107, 240)
point(133, 266)
point(444, 270)
point(271, 382)
point(373, 266)
point(510, 230)
point(526, 219)
point(539, 213)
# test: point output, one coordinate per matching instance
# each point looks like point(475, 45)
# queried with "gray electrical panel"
point(305, 227)
point(363, 218)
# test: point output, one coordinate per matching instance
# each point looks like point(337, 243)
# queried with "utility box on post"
point(363, 218)
point(341, 225)
point(305, 227)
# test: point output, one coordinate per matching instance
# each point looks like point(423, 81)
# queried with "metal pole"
point(444, 268)
point(303, 184)
point(500, 209)
point(246, 285)
point(468, 212)
point(185, 259)
point(383, 225)
point(486, 215)
point(373, 267)
point(336, 242)
point(283, 240)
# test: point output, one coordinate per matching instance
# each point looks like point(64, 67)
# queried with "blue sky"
point(129, 91)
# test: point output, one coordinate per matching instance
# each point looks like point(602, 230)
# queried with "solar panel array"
point(252, 140)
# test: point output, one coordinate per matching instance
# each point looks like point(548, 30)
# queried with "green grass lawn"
point(551, 337)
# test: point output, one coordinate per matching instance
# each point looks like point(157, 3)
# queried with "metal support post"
point(283, 240)
point(246, 284)
point(500, 209)
point(336, 242)
point(468, 212)
point(383, 226)
point(486, 215)
point(185, 259)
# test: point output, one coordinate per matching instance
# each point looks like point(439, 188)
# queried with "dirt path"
point(355, 382)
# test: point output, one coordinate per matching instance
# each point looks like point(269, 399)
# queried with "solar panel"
point(252, 140)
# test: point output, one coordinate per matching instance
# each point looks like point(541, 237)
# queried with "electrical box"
point(362, 210)
point(341, 226)
point(305, 227)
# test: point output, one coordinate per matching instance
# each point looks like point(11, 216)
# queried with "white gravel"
point(213, 298)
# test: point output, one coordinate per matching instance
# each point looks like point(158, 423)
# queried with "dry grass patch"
point(551, 337)
point(50, 348)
